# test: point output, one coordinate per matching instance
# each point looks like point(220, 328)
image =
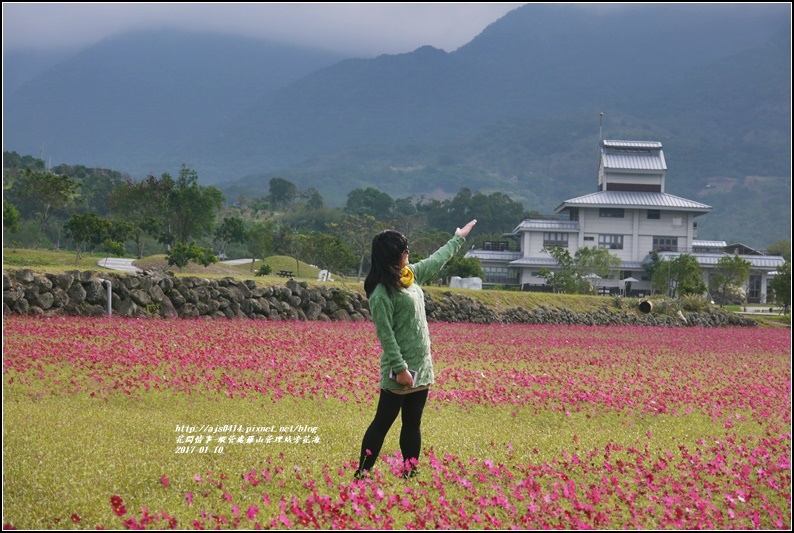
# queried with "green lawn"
point(49, 260)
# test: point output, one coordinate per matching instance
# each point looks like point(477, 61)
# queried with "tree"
point(259, 238)
point(295, 245)
point(328, 252)
point(688, 276)
point(282, 193)
point(589, 261)
point(463, 267)
point(413, 227)
point(781, 248)
point(565, 279)
point(679, 276)
point(48, 192)
point(781, 286)
point(314, 200)
point(191, 207)
point(10, 217)
point(446, 214)
point(404, 207)
point(143, 205)
point(658, 281)
point(425, 242)
point(357, 232)
point(595, 261)
point(494, 212)
point(369, 202)
point(730, 273)
point(88, 229)
point(230, 230)
point(181, 254)
point(95, 185)
point(119, 233)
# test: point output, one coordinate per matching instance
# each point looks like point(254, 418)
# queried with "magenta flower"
point(252, 511)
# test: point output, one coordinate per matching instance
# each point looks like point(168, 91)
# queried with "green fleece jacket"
point(401, 324)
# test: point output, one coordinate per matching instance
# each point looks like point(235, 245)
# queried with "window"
point(654, 214)
point(555, 239)
point(494, 274)
point(591, 238)
point(498, 246)
point(613, 242)
point(609, 212)
point(665, 244)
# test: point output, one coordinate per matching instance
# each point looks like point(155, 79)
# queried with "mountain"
point(515, 110)
point(133, 102)
point(21, 66)
point(538, 60)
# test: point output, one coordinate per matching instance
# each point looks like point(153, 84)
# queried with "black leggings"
point(389, 404)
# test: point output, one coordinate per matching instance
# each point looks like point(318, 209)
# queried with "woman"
point(397, 306)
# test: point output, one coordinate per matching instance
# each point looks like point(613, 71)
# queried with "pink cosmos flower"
point(252, 511)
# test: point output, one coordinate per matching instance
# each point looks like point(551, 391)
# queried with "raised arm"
point(426, 269)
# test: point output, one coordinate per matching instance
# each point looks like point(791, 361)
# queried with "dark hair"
point(386, 261)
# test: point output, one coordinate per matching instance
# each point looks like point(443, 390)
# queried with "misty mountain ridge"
point(136, 101)
point(515, 110)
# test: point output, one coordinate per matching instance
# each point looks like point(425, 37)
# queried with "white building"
point(631, 214)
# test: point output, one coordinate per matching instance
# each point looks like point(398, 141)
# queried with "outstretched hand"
point(464, 231)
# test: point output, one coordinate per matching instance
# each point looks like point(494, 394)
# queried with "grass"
point(67, 454)
point(49, 260)
point(501, 300)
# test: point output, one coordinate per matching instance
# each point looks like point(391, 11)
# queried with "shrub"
point(694, 303)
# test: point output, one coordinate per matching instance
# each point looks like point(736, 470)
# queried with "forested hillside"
point(516, 111)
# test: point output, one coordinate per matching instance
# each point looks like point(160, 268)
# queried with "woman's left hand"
point(464, 231)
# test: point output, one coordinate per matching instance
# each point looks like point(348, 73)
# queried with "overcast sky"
point(362, 29)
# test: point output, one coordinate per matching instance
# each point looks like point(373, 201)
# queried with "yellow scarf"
point(406, 277)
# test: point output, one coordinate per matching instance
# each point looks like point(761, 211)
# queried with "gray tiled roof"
point(550, 262)
point(534, 261)
point(634, 161)
point(634, 199)
point(550, 225)
point(770, 262)
point(491, 255)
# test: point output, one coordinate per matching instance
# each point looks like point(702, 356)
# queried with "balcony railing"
point(561, 244)
point(500, 280)
point(698, 250)
point(562, 218)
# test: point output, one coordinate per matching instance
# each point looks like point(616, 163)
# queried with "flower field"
point(197, 424)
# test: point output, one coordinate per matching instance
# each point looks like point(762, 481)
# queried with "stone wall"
point(459, 308)
point(157, 294)
point(151, 293)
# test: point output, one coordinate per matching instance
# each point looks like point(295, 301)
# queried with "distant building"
point(630, 214)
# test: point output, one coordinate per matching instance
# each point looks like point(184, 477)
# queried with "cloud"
point(366, 29)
